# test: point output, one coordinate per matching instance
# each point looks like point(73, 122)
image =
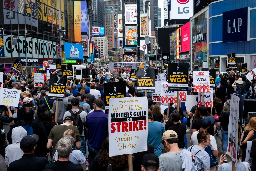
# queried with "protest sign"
point(233, 128)
point(208, 99)
point(146, 80)
point(161, 77)
point(57, 85)
point(67, 70)
point(128, 125)
point(251, 75)
point(9, 97)
point(201, 81)
point(114, 90)
point(178, 76)
point(133, 74)
point(16, 66)
point(157, 94)
point(168, 96)
point(231, 59)
point(38, 79)
point(212, 75)
point(248, 152)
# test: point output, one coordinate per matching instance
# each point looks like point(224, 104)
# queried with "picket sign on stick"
point(202, 98)
point(56, 113)
point(168, 111)
point(146, 94)
point(178, 101)
point(233, 166)
point(130, 165)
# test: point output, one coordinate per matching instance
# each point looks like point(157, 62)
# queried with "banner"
point(57, 84)
point(114, 90)
point(143, 25)
point(16, 66)
point(130, 35)
point(201, 81)
point(130, 14)
point(248, 152)
point(128, 125)
point(38, 79)
point(9, 97)
point(208, 99)
point(233, 128)
point(120, 25)
point(146, 80)
point(178, 76)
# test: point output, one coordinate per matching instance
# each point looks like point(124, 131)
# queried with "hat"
point(29, 142)
point(43, 93)
point(150, 160)
point(205, 123)
point(239, 81)
point(69, 118)
point(169, 134)
point(87, 89)
point(27, 100)
point(70, 98)
point(210, 118)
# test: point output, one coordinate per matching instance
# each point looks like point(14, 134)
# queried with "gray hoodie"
point(13, 151)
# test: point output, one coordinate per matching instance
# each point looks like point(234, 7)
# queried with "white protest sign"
point(208, 99)
point(161, 77)
point(1, 79)
point(38, 79)
point(248, 152)
point(233, 128)
point(201, 81)
point(157, 94)
point(9, 97)
point(171, 96)
point(128, 125)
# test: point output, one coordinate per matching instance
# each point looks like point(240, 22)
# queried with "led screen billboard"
point(98, 31)
point(185, 38)
point(131, 14)
point(181, 9)
point(73, 51)
point(130, 35)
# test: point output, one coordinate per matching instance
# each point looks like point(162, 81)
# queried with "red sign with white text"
point(185, 38)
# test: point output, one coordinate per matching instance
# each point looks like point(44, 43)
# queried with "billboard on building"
point(130, 14)
point(130, 35)
point(181, 9)
point(143, 25)
point(85, 45)
point(201, 4)
point(98, 31)
point(120, 42)
point(84, 12)
point(73, 51)
point(120, 25)
point(77, 21)
point(185, 38)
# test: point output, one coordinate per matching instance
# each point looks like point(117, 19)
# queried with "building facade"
point(110, 27)
point(102, 43)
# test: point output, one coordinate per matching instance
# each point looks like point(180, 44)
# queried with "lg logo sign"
point(185, 10)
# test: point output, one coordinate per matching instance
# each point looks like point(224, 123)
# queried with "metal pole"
point(60, 48)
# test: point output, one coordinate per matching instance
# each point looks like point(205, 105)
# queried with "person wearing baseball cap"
point(29, 160)
point(175, 159)
point(150, 162)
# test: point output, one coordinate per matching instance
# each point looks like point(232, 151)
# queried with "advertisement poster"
point(181, 9)
point(130, 49)
point(77, 21)
point(128, 125)
point(114, 90)
point(85, 45)
point(201, 81)
point(38, 79)
point(73, 51)
point(178, 76)
point(84, 12)
point(57, 84)
point(130, 35)
point(120, 25)
point(143, 25)
point(130, 14)
point(9, 97)
point(185, 38)
point(98, 31)
point(146, 80)
point(208, 99)
point(233, 128)
point(120, 42)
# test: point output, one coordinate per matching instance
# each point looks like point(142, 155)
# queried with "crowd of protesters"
point(78, 139)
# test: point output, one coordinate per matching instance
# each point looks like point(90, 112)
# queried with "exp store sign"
point(73, 51)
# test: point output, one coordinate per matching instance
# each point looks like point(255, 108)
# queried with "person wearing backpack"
point(202, 158)
point(79, 117)
point(32, 127)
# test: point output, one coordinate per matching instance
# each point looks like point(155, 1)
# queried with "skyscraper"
point(110, 26)
point(98, 13)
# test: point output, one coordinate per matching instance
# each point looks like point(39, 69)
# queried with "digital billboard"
point(130, 35)
point(84, 11)
point(98, 31)
point(130, 14)
point(120, 25)
point(185, 38)
point(77, 21)
point(130, 49)
point(181, 9)
point(73, 51)
point(143, 25)
point(201, 4)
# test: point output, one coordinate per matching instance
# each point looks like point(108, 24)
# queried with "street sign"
point(144, 47)
point(69, 61)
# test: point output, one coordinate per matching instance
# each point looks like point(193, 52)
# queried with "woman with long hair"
point(102, 159)
point(46, 120)
point(248, 135)
point(157, 110)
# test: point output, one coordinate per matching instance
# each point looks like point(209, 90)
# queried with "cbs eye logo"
point(183, 1)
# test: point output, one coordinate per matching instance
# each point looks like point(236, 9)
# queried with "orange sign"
point(77, 21)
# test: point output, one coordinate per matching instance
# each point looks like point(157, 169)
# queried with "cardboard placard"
point(146, 80)
point(16, 66)
point(114, 90)
point(128, 125)
point(248, 152)
point(57, 85)
point(38, 79)
point(9, 97)
point(208, 99)
point(178, 76)
point(201, 81)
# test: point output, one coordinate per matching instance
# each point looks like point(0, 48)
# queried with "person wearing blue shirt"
point(155, 131)
point(97, 125)
point(217, 80)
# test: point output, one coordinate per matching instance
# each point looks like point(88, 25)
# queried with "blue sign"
point(73, 51)
point(98, 31)
point(235, 25)
point(84, 10)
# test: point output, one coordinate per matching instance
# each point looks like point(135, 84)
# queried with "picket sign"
point(9, 97)
point(248, 151)
point(201, 81)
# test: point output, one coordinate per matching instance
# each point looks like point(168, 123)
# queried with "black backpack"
point(77, 120)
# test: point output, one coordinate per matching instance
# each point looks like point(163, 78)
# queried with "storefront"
point(232, 30)
point(199, 48)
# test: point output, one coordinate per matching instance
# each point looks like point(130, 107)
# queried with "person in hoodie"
point(13, 151)
point(175, 159)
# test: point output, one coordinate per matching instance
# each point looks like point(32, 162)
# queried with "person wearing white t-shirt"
point(95, 92)
point(123, 74)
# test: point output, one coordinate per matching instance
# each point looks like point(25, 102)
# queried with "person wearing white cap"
point(239, 87)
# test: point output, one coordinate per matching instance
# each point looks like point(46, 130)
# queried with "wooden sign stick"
point(56, 113)
point(146, 94)
point(202, 98)
point(178, 101)
point(130, 165)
